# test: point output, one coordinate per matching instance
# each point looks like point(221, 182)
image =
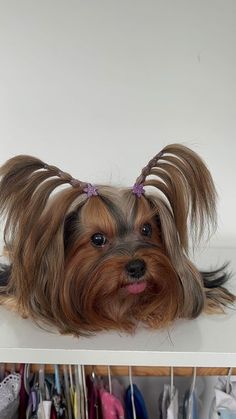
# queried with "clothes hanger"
point(77, 398)
point(67, 391)
point(171, 382)
point(82, 395)
point(71, 388)
point(57, 379)
point(71, 378)
point(228, 381)
point(132, 392)
point(193, 385)
point(109, 378)
point(94, 377)
point(188, 401)
point(41, 379)
point(85, 392)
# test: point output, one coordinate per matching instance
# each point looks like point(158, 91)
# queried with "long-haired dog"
point(93, 257)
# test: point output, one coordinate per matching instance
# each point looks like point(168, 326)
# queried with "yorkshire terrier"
point(92, 257)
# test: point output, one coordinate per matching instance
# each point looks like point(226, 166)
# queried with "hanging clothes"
point(44, 409)
point(111, 406)
point(168, 403)
point(140, 407)
point(9, 396)
point(224, 404)
point(190, 405)
point(23, 394)
point(94, 401)
point(32, 408)
point(61, 396)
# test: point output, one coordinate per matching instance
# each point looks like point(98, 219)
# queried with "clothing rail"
point(138, 370)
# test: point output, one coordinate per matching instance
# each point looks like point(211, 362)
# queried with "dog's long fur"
point(58, 277)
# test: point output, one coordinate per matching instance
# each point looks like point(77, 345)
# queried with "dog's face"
point(91, 258)
point(116, 267)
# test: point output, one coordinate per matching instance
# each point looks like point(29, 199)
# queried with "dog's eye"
point(98, 239)
point(146, 230)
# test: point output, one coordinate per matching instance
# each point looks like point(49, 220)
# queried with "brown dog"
point(91, 258)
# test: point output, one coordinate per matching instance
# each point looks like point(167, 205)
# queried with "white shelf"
point(208, 341)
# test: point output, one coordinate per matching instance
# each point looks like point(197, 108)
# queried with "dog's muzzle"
point(136, 269)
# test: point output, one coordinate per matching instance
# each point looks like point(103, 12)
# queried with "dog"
point(87, 258)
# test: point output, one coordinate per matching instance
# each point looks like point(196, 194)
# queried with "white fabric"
point(169, 405)
point(172, 411)
point(165, 401)
point(9, 396)
point(223, 400)
point(44, 410)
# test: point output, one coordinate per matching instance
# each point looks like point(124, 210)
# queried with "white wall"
point(98, 87)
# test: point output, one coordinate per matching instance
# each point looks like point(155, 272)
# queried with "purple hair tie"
point(90, 190)
point(138, 189)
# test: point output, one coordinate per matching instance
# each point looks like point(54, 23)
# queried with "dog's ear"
point(189, 277)
point(186, 183)
point(34, 226)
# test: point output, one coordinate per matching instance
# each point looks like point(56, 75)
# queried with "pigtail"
point(34, 230)
point(185, 182)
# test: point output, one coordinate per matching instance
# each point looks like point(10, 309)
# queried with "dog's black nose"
point(136, 268)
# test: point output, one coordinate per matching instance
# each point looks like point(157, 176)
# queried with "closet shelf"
point(140, 371)
point(207, 341)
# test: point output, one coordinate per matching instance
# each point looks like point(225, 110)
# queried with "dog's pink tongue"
point(136, 288)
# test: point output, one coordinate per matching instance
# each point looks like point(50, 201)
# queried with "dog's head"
point(90, 258)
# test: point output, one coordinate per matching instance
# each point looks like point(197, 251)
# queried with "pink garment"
point(111, 406)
